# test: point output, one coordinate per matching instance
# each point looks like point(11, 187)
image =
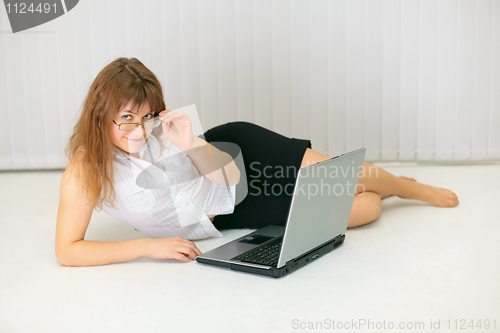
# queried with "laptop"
point(316, 222)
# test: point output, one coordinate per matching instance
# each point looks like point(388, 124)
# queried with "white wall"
point(409, 80)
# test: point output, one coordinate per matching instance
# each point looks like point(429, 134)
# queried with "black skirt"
point(272, 162)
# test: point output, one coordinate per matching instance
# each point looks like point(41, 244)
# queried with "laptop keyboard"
point(267, 255)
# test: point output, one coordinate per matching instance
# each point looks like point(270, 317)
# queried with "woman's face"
point(131, 141)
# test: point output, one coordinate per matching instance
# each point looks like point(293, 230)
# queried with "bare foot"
point(436, 196)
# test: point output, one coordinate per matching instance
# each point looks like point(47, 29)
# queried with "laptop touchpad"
point(256, 239)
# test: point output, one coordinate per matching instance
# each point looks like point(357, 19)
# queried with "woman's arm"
point(73, 217)
point(217, 166)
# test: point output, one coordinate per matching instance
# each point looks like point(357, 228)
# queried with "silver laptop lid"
point(321, 204)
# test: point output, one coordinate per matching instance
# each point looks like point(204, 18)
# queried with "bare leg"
point(375, 179)
point(378, 180)
point(366, 208)
point(383, 196)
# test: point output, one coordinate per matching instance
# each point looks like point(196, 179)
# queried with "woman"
point(125, 136)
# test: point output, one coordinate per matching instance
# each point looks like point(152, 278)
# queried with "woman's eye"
point(148, 116)
point(125, 117)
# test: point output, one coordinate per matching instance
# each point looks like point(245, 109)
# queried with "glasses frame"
point(155, 119)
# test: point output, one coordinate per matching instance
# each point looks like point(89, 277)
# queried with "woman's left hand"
point(177, 128)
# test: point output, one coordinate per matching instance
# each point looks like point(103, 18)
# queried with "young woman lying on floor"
point(119, 135)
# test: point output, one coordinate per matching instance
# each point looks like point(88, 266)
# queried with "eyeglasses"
point(132, 126)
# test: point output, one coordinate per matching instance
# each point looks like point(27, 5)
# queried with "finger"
point(196, 249)
point(181, 242)
point(175, 115)
point(166, 119)
point(182, 257)
point(166, 123)
point(188, 251)
point(172, 117)
point(164, 112)
point(192, 246)
point(167, 113)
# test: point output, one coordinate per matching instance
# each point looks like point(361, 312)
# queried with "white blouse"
point(163, 194)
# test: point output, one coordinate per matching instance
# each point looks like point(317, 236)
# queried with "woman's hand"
point(177, 128)
point(172, 248)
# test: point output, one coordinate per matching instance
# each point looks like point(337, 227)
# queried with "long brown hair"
point(119, 83)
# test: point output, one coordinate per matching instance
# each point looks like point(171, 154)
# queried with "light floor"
point(415, 265)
